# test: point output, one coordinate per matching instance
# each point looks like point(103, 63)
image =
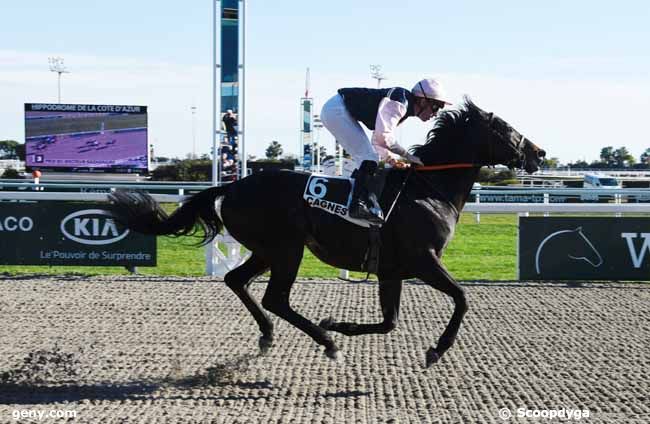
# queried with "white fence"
point(218, 263)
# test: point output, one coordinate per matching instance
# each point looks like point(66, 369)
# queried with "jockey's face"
point(426, 109)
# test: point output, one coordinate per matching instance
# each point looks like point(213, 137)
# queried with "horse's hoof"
point(327, 323)
point(432, 357)
point(334, 354)
point(265, 344)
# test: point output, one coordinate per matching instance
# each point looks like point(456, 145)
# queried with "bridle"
point(517, 162)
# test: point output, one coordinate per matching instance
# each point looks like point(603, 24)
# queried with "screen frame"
point(98, 109)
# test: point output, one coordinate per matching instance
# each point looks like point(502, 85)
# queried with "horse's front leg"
point(437, 277)
point(389, 298)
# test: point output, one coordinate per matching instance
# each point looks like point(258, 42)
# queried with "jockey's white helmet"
point(429, 88)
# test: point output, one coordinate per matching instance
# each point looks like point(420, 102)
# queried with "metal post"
point(59, 85)
point(318, 124)
point(193, 108)
point(216, 91)
point(546, 202)
point(211, 248)
point(339, 157)
point(242, 89)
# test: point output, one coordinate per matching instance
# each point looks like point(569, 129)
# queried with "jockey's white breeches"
point(347, 130)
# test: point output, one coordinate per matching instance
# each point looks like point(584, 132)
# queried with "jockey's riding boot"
point(364, 204)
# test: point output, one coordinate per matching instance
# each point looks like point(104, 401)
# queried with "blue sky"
point(573, 76)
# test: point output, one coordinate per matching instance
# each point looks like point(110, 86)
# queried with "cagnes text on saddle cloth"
point(331, 194)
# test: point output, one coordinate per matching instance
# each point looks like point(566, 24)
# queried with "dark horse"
point(266, 213)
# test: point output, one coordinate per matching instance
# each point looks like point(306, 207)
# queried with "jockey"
point(380, 110)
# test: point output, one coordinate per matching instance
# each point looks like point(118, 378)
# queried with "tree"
point(551, 163)
point(579, 164)
point(645, 157)
point(274, 151)
point(185, 170)
point(11, 173)
point(11, 149)
point(607, 155)
point(623, 158)
point(498, 177)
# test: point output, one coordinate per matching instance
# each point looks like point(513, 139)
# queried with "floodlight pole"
point(375, 72)
point(56, 65)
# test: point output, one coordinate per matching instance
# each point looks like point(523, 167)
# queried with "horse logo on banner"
point(574, 243)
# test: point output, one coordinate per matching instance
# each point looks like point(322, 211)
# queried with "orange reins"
point(446, 166)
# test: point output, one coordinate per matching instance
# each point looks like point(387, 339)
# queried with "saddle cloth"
point(333, 195)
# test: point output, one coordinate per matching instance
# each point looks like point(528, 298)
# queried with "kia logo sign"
point(93, 227)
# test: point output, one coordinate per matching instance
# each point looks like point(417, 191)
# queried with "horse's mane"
point(447, 139)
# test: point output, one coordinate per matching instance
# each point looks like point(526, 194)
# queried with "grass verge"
point(485, 251)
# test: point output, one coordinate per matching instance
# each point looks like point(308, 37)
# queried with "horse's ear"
point(472, 110)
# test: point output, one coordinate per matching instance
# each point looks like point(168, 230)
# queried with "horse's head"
point(499, 143)
point(471, 134)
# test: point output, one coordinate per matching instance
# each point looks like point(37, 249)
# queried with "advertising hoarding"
point(584, 248)
point(57, 233)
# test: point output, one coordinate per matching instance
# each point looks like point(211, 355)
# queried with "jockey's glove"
point(413, 159)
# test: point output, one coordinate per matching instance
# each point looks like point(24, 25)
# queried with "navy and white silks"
point(380, 110)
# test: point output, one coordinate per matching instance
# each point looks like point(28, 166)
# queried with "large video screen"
point(86, 137)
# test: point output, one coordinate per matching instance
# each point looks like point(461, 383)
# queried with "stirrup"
point(364, 213)
point(377, 213)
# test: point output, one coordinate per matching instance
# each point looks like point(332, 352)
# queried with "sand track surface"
point(176, 350)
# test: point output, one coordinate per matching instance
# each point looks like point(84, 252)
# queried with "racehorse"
point(267, 214)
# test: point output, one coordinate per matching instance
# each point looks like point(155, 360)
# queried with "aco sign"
point(584, 248)
point(54, 233)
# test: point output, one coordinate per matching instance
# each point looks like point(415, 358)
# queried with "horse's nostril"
point(541, 154)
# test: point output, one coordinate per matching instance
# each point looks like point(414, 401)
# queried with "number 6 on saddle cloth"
point(333, 195)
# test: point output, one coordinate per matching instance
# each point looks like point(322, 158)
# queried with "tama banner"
point(56, 233)
point(584, 248)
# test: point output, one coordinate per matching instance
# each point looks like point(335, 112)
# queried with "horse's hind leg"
point(239, 279)
point(389, 298)
point(284, 269)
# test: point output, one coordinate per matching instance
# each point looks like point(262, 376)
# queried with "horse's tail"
point(139, 212)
